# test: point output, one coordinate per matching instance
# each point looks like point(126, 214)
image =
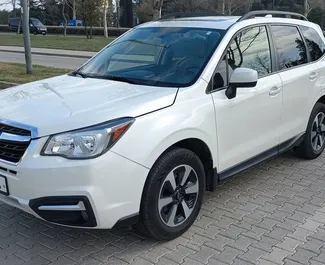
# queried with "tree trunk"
point(229, 7)
point(19, 25)
point(158, 8)
point(86, 29)
point(306, 8)
point(223, 7)
point(65, 18)
point(105, 19)
point(74, 9)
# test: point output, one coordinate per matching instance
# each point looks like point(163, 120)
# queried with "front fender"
point(152, 134)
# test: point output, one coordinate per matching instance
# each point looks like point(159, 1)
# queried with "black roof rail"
point(188, 14)
point(253, 14)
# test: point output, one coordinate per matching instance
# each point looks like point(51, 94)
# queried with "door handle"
point(274, 91)
point(313, 76)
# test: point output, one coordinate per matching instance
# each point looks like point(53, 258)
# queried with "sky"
point(4, 5)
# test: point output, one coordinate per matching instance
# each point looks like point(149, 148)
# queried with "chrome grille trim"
point(14, 137)
point(33, 130)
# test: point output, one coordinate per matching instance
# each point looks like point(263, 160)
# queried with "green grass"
point(79, 43)
point(16, 73)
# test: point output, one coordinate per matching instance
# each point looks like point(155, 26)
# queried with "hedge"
point(114, 32)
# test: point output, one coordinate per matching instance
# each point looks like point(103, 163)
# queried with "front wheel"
point(314, 141)
point(172, 195)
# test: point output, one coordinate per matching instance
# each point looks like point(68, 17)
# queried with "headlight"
point(86, 143)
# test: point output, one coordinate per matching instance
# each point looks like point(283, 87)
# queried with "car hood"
point(66, 102)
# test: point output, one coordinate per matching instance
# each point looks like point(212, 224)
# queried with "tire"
point(155, 218)
point(311, 147)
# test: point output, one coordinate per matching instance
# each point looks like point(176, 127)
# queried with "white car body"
point(234, 131)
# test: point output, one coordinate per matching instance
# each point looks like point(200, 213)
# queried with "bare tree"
point(63, 3)
point(158, 4)
point(74, 9)
point(13, 2)
point(89, 11)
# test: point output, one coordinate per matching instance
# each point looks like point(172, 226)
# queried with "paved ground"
point(46, 57)
point(273, 214)
point(50, 61)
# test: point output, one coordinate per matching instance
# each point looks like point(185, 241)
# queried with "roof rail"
point(188, 14)
point(253, 14)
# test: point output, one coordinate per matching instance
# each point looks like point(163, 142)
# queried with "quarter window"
point(290, 46)
point(315, 43)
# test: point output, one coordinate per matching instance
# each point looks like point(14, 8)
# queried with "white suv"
point(160, 115)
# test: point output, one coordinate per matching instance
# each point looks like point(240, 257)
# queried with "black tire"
point(150, 221)
point(305, 149)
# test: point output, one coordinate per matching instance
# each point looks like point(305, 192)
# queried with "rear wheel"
point(314, 141)
point(173, 195)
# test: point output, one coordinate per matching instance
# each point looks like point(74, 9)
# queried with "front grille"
point(12, 151)
point(14, 130)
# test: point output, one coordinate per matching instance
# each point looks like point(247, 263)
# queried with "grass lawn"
point(16, 73)
point(79, 43)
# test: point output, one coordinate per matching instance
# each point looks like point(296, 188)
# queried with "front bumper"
point(109, 187)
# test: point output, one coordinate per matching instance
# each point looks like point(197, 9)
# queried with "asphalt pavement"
point(50, 61)
point(46, 57)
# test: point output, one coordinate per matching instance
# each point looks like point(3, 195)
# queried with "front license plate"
point(4, 186)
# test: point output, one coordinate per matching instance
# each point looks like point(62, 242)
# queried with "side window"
point(250, 49)
point(315, 43)
point(290, 46)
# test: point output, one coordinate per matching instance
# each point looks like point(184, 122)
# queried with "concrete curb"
point(4, 85)
point(50, 54)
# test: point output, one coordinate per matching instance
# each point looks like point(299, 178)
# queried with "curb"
point(4, 85)
point(50, 54)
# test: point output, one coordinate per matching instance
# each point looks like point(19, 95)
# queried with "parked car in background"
point(35, 26)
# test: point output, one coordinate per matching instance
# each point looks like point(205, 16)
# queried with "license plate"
point(4, 186)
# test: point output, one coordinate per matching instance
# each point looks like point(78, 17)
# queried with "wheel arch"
point(202, 150)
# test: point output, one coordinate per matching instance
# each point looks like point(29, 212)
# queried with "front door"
point(248, 124)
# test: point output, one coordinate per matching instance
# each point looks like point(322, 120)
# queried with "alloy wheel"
point(318, 132)
point(178, 195)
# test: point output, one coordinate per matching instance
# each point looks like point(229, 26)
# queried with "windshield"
point(37, 23)
point(157, 56)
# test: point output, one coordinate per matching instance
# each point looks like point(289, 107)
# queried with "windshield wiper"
point(118, 78)
point(75, 73)
point(107, 77)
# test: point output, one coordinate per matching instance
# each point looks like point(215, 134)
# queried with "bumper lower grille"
point(14, 142)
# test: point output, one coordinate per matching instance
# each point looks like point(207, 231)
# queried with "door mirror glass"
point(243, 77)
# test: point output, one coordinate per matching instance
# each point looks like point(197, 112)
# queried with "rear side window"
point(290, 46)
point(315, 43)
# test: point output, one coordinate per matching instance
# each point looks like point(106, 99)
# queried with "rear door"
point(298, 78)
point(316, 47)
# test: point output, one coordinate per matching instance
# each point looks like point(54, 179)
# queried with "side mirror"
point(241, 77)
